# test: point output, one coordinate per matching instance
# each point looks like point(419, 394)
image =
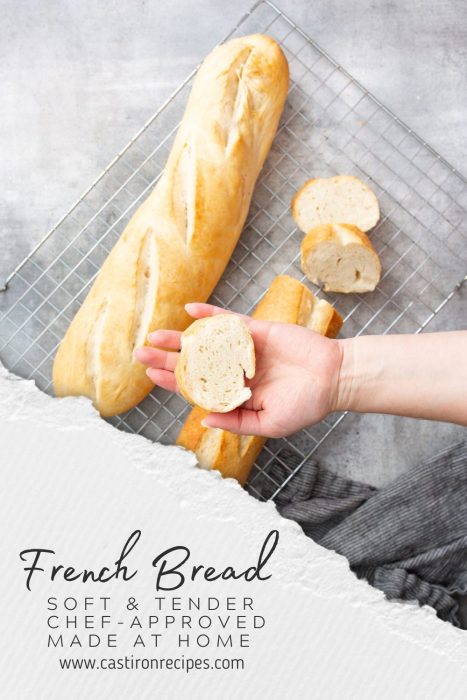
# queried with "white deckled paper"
point(74, 484)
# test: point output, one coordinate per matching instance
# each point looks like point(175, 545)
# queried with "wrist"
point(365, 376)
point(346, 398)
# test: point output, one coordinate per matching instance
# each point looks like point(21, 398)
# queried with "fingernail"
point(203, 423)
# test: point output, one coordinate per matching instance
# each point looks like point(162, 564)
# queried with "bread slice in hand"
point(335, 200)
point(341, 258)
point(216, 354)
point(286, 301)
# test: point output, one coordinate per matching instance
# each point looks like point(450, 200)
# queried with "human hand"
point(296, 380)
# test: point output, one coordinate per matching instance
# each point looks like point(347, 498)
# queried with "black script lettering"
point(174, 571)
point(69, 573)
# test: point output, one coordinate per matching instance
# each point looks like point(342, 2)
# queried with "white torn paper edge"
point(329, 620)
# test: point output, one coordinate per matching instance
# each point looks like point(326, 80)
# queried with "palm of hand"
point(294, 385)
point(295, 378)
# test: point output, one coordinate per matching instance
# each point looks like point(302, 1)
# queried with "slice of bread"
point(216, 354)
point(341, 258)
point(335, 200)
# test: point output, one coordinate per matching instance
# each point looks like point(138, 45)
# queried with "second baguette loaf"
point(177, 244)
point(286, 301)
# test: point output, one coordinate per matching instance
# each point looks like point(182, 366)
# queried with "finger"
point(165, 339)
point(158, 359)
point(198, 310)
point(162, 378)
point(241, 421)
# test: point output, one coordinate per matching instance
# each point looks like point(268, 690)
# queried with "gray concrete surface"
point(80, 77)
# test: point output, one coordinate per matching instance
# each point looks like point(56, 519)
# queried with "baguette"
point(216, 355)
point(177, 244)
point(335, 200)
point(286, 301)
point(341, 258)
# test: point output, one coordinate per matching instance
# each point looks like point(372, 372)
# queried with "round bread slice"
point(333, 200)
point(341, 258)
point(216, 354)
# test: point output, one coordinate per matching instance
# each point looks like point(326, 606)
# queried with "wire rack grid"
point(331, 125)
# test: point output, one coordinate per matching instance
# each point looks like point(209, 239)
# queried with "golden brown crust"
point(192, 430)
point(329, 232)
point(176, 246)
point(286, 301)
point(298, 194)
point(325, 320)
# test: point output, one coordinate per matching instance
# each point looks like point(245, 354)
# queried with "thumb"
point(241, 421)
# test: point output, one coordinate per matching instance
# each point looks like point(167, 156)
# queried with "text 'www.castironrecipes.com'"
point(151, 664)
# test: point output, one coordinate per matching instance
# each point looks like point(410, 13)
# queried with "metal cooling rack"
point(331, 125)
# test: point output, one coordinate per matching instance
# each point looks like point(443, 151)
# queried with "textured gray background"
point(80, 77)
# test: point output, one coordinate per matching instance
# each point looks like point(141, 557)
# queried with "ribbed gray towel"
point(408, 539)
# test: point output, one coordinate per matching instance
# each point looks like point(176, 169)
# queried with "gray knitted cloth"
point(408, 539)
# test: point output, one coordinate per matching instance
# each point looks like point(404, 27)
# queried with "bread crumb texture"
point(341, 258)
point(335, 200)
point(217, 353)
